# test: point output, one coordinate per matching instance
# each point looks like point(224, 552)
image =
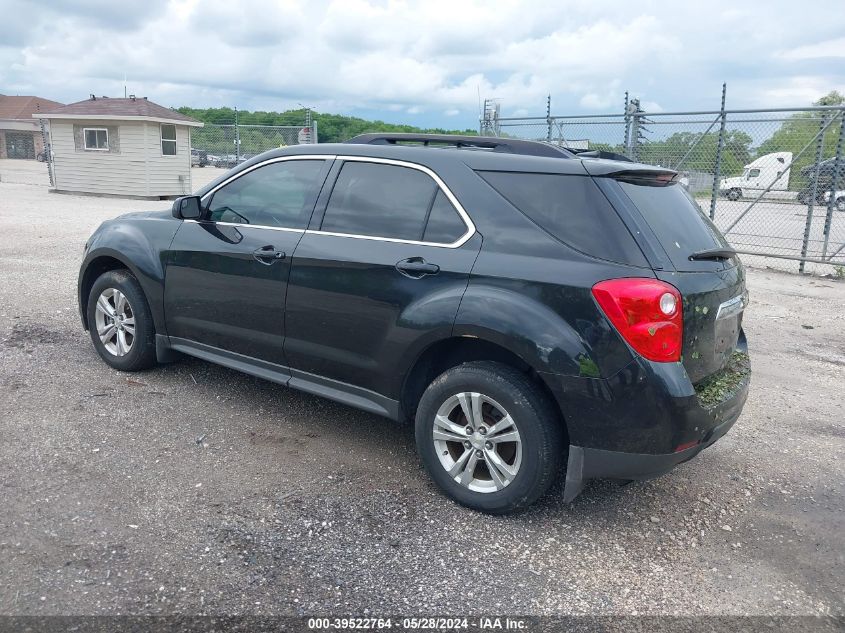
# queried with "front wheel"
point(840, 204)
point(120, 322)
point(489, 437)
point(734, 194)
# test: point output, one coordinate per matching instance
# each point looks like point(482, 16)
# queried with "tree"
point(700, 151)
point(832, 98)
point(331, 128)
point(800, 130)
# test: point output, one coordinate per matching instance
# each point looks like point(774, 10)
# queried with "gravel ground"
point(194, 489)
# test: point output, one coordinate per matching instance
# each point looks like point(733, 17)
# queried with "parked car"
point(227, 161)
point(199, 158)
point(838, 197)
point(824, 184)
point(525, 308)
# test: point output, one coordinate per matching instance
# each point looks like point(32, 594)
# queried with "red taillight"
point(644, 315)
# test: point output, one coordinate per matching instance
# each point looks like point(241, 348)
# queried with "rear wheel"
point(840, 204)
point(734, 194)
point(120, 322)
point(489, 437)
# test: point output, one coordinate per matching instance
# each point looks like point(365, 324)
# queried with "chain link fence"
point(225, 146)
point(772, 180)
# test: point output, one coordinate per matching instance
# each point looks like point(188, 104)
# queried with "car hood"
point(163, 214)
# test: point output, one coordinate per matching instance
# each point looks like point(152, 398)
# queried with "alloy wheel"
point(115, 322)
point(477, 441)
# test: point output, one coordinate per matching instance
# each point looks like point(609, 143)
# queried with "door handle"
point(268, 254)
point(416, 267)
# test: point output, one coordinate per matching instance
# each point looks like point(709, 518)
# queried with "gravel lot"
point(195, 489)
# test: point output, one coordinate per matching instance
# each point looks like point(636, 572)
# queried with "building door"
point(20, 145)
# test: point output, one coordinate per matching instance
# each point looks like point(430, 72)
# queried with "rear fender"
point(525, 327)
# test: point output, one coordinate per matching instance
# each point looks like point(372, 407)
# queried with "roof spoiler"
point(600, 153)
point(653, 177)
point(504, 145)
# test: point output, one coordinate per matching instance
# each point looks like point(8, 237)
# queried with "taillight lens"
point(647, 313)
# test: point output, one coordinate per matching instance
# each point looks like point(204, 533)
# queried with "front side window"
point(276, 195)
point(753, 173)
point(168, 140)
point(380, 201)
point(96, 139)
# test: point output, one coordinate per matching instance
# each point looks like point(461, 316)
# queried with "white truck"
point(767, 172)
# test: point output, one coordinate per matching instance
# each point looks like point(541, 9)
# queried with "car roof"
point(477, 159)
point(438, 158)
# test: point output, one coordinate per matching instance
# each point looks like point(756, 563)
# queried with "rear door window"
point(572, 209)
point(676, 219)
point(379, 200)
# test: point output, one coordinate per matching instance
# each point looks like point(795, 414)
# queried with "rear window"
point(676, 219)
point(572, 209)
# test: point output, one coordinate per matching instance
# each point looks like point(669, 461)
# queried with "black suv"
point(527, 307)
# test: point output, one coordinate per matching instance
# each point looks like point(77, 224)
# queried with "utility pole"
point(309, 125)
point(48, 151)
point(490, 121)
point(717, 167)
point(627, 140)
point(237, 139)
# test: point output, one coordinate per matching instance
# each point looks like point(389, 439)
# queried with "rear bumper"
point(589, 463)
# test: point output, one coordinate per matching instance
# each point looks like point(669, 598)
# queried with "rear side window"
point(676, 220)
point(572, 209)
point(444, 224)
point(380, 201)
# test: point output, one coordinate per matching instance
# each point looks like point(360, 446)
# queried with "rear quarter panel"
point(532, 294)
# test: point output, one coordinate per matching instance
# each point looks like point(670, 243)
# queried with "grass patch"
point(725, 383)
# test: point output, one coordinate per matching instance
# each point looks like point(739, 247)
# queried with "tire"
point(532, 461)
point(840, 204)
point(119, 347)
point(734, 194)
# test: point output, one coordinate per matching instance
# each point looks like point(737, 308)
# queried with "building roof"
point(131, 109)
point(13, 107)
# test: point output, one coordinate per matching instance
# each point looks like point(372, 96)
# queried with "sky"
point(426, 63)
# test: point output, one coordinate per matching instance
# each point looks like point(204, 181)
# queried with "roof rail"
point(504, 145)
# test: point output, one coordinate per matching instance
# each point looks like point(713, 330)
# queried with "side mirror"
point(187, 208)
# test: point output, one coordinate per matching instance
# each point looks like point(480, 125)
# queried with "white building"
point(124, 147)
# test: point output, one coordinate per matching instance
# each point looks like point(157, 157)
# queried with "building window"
point(96, 138)
point(168, 140)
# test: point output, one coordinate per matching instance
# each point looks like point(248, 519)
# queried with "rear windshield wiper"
point(713, 253)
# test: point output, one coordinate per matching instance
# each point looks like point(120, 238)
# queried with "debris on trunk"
point(725, 383)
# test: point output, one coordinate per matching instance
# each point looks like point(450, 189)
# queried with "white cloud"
point(422, 58)
point(796, 90)
point(830, 48)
